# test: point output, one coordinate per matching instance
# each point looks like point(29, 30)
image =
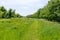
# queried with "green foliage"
point(35, 15)
point(8, 14)
point(51, 11)
point(18, 15)
point(2, 9)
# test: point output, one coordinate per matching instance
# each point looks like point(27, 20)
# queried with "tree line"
point(50, 12)
point(4, 13)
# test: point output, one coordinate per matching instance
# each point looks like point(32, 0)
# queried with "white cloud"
point(24, 7)
point(13, 2)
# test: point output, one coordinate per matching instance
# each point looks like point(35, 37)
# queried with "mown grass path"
point(29, 29)
point(32, 32)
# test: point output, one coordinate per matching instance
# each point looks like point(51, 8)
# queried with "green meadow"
point(28, 29)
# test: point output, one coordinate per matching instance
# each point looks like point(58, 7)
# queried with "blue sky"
point(24, 7)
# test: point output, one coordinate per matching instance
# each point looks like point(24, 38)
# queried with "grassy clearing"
point(29, 29)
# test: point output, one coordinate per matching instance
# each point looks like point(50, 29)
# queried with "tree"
point(4, 14)
point(9, 15)
point(2, 9)
point(13, 13)
point(50, 12)
point(18, 15)
point(35, 15)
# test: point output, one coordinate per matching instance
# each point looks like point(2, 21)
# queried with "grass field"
point(29, 29)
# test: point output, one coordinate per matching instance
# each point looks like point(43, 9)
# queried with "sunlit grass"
point(28, 29)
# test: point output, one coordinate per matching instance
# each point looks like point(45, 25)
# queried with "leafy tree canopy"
point(4, 13)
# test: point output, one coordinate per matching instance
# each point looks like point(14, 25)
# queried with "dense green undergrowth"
point(29, 29)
